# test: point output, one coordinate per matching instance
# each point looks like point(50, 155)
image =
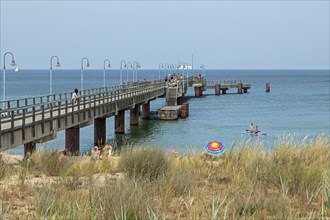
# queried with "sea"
point(297, 106)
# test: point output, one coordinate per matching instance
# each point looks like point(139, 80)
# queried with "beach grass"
point(289, 180)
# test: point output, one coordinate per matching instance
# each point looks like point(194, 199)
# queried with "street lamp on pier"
point(171, 66)
point(109, 65)
point(203, 67)
point(160, 66)
point(51, 73)
point(136, 65)
point(121, 70)
point(82, 71)
point(12, 63)
point(167, 66)
point(128, 65)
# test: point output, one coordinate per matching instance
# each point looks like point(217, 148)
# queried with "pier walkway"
point(34, 120)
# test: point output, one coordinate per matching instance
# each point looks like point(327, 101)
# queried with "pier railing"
point(32, 118)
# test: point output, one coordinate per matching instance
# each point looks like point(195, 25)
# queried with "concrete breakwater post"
point(184, 110)
point(120, 122)
point(179, 101)
point(134, 115)
point(267, 87)
point(217, 89)
point(72, 136)
point(198, 91)
point(146, 110)
point(29, 148)
point(99, 131)
point(239, 88)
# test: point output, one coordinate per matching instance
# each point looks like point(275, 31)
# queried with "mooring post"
point(99, 131)
point(72, 137)
point(184, 110)
point(120, 122)
point(217, 89)
point(146, 110)
point(134, 115)
point(267, 87)
point(29, 148)
point(179, 101)
point(198, 91)
point(239, 88)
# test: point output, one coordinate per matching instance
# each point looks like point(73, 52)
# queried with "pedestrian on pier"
point(75, 97)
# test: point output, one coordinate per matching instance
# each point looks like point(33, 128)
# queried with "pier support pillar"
point(224, 91)
point(217, 89)
point(72, 140)
point(29, 148)
point(267, 87)
point(179, 101)
point(184, 110)
point(245, 90)
point(134, 115)
point(146, 110)
point(99, 131)
point(239, 88)
point(198, 91)
point(120, 122)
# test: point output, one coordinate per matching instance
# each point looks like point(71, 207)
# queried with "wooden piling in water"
point(239, 88)
point(99, 131)
point(198, 92)
point(146, 110)
point(217, 89)
point(134, 115)
point(184, 110)
point(72, 136)
point(267, 87)
point(120, 122)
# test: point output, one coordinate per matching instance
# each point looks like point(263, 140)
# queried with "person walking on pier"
point(75, 97)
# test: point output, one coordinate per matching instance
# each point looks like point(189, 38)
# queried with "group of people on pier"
point(173, 79)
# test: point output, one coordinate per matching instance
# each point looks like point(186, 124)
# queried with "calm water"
point(298, 104)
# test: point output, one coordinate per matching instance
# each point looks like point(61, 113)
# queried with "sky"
point(219, 34)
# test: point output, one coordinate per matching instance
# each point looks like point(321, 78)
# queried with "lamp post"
point(51, 73)
point(160, 65)
point(136, 65)
point(82, 72)
point(109, 65)
point(187, 66)
point(171, 66)
point(128, 65)
point(121, 70)
point(4, 75)
point(203, 67)
point(181, 64)
point(166, 67)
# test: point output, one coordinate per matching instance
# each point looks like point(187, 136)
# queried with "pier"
point(34, 120)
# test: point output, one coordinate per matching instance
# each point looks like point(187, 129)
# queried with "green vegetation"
point(290, 181)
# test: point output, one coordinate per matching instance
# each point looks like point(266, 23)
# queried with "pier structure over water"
point(200, 84)
point(34, 120)
point(38, 119)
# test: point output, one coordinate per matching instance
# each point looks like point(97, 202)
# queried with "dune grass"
point(292, 180)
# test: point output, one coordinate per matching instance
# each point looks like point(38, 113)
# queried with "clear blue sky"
point(220, 34)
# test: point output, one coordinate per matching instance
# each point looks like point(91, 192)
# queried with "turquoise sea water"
point(297, 105)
